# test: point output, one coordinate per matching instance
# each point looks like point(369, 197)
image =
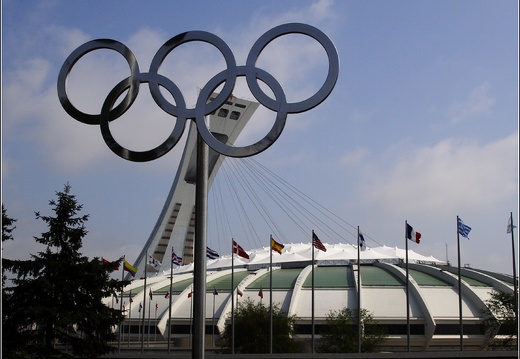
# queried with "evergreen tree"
point(55, 304)
point(252, 330)
point(341, 333)
point(7, 230)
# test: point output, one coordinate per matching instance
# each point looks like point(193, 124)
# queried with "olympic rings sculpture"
point(202, 108)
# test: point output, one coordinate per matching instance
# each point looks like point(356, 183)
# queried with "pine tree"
point(55, 305)
point(7, 230)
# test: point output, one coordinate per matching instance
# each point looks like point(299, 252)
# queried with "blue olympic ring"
point(227, 77)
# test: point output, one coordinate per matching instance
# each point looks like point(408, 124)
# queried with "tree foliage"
point(55, 304)
point(500, 320)
point(252, 327)
point(7, 234)
point(341, 333)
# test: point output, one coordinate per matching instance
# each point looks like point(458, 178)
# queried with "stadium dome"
point(433, 295)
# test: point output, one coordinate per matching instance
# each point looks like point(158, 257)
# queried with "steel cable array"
point(250, 202)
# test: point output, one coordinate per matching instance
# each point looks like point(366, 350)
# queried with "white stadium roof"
point(433, 293)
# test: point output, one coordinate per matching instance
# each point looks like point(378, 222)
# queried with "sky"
point(422, 125)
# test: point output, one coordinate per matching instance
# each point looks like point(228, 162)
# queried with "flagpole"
point(359, 292)
point(144, 302)
point(213, 321)
point(460, 288)
point(407, 290)
point(129, 316)
point(170, 305)
point(312, 293)
point(149, 308)
point(139, 321)
point(270, 296)
point(515, 284)
point(232, 297)
point(191, 319)
point(121, 305)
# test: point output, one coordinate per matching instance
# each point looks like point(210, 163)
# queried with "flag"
point(463, 229)
point(510, 225)
point(275, 246)
point(211, 254)
point(154, 262)
point(261, 294)
point(176, 259)
point(129, 268)
point(361, 240)
point(140, 307)
point(167, 295)
point(317, 243)
point(106, 262)
point(117, 299)
point(215, 291)
point(189, 294)
point(239, 250)
point(412, 235)
point(130, 297)
point(156, 306)
point(151, 295)
point(239, 292)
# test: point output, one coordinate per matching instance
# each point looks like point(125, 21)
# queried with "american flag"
point(317, 243)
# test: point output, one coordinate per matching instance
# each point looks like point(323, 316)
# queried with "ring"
point(154, 153)
point(202, 108)
point(245, 151)
point(71, 61)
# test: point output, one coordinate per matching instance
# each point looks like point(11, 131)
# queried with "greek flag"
point(211, 254)
point(463, 229)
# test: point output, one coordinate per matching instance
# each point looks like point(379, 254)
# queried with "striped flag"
point(317, 243)
point(176, 259)
point(275, 246)
point(463, 229)
point(412, 235)
point(129, 268)
point(211, 254)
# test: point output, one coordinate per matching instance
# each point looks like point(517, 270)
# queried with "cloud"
point(453, 174)
point(354, 157)
point(478, 103)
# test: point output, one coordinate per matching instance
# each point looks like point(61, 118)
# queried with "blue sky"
point(421, 126)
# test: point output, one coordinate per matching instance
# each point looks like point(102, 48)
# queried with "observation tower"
point(175, 227)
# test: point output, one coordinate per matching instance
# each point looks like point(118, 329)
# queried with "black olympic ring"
point(227, 77)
